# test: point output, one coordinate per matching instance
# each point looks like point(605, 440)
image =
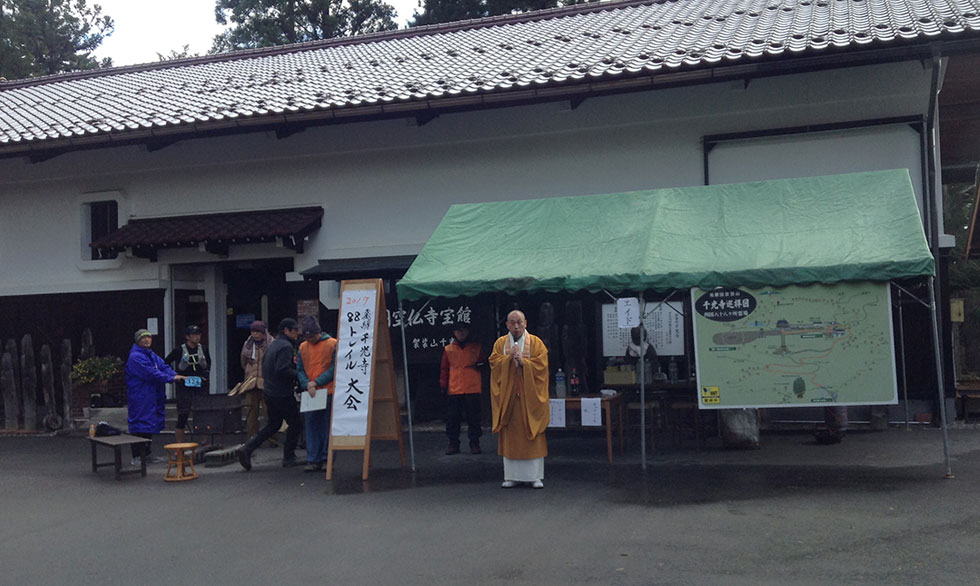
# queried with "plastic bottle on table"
point(574, 383)
point(560, 384)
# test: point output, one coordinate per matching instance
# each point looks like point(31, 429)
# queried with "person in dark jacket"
point(279, 375)
point(190, 359)
point(146, 375)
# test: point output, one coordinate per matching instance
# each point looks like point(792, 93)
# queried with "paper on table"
point(307, 403)
point(591, 411)
point(557, 413)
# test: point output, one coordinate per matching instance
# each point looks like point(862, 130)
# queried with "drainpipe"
point(935, 287)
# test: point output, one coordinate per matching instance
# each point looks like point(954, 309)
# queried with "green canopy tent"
point(860, 226)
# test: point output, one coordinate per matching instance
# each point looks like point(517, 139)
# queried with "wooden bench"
point(117, 442)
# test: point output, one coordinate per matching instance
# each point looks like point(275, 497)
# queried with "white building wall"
point(385, 185)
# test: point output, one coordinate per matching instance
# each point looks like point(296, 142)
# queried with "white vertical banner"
point(355, 347)
point(557, 407)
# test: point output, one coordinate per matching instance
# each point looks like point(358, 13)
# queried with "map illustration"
point(818, 345)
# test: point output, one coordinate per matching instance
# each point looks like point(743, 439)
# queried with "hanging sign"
point(628, 312)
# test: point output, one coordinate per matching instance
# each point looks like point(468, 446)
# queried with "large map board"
point(817, 346)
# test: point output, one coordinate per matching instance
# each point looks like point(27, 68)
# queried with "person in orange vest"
point(461, 380)
point(315, 368)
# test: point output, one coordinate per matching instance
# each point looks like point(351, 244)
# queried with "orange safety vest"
point(317, 359)
point(464, 378)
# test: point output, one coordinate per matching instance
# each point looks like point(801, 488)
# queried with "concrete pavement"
point(875, 509)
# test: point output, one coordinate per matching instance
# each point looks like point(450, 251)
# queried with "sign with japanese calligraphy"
point(628, 312)
point(355, 350)
point(794, 346)
point(429, 325)
point(365, 400)
point(664, 323)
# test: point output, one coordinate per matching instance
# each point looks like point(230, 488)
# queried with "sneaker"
point(537, 484)
point(154, 460)
point(313, 467)
point(508, 484)
point(452, 449)
point(475, 449)
point(244, 458)
point(289, 462)
point(135, 462)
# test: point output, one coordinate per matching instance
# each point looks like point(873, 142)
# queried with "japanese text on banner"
point(355, 346)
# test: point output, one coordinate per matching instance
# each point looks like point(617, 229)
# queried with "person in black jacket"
point(190, 359)
point(279, 374)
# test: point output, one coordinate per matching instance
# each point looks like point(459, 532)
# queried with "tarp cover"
point(860, 226)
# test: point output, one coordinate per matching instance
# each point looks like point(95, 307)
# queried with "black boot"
point(245, 452)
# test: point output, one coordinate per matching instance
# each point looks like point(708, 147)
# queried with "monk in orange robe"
point(519, 397)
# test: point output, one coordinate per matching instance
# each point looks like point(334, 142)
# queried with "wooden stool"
point(178, 463)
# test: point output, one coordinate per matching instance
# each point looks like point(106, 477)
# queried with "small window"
point(103, 220)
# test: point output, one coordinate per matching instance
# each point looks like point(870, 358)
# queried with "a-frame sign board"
point(365, 401)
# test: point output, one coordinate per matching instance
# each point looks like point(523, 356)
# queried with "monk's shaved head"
point(516, 323)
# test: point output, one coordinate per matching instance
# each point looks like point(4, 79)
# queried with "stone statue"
point(574, 346)
point(28, 383)
point(8, 387)
point(64, 373)
point(88, 345)
point(52, 420)
point(548, 331)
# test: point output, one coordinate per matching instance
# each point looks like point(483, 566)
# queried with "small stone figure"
point(573, 345)
point(551, 336)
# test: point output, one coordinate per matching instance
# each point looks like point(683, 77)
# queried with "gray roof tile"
point(495, 55)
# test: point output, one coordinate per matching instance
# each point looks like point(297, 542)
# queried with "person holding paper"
point(519, 396)
point(192, 360)
point(460, 380)
point(252, 352)
point(279, 374)
point(315, 368)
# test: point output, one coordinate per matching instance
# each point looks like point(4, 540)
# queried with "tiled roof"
point(215, 231)
point(408, 69)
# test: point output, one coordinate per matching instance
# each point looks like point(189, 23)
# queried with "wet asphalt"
point(875, 509)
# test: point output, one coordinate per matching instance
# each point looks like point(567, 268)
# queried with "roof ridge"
point(425, 30)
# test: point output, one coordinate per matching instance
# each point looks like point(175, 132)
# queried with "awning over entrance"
point(215, 232)
point(359, 268)
point(861, 226)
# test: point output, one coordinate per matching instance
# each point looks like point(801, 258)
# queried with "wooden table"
point(607, 403)
point(116, 442)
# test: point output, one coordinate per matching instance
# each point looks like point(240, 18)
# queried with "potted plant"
point(90, 377)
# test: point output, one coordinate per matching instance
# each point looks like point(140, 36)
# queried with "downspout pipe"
point(935, 288)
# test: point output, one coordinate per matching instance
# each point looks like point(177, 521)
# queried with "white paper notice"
point(307, 403)
point(557, 413)
point(355, 345)
point(628, 312)
point(591, 411)
point(664, 324)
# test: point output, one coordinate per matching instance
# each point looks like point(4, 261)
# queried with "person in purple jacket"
point(146, 375)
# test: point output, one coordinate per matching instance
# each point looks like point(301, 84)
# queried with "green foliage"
point(960, 204)
point(437, 11)
point(97, 368)
point(184, 53)
point(267, 23)
point(44, 37)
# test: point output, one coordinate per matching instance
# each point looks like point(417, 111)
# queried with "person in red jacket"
point(461, 380)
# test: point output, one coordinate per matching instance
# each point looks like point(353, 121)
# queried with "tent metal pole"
point(901, 353)
point(939, 373)
point(643, 391)
point(408, 390)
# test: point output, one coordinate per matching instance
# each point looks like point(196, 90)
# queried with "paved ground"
point(873, 510)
